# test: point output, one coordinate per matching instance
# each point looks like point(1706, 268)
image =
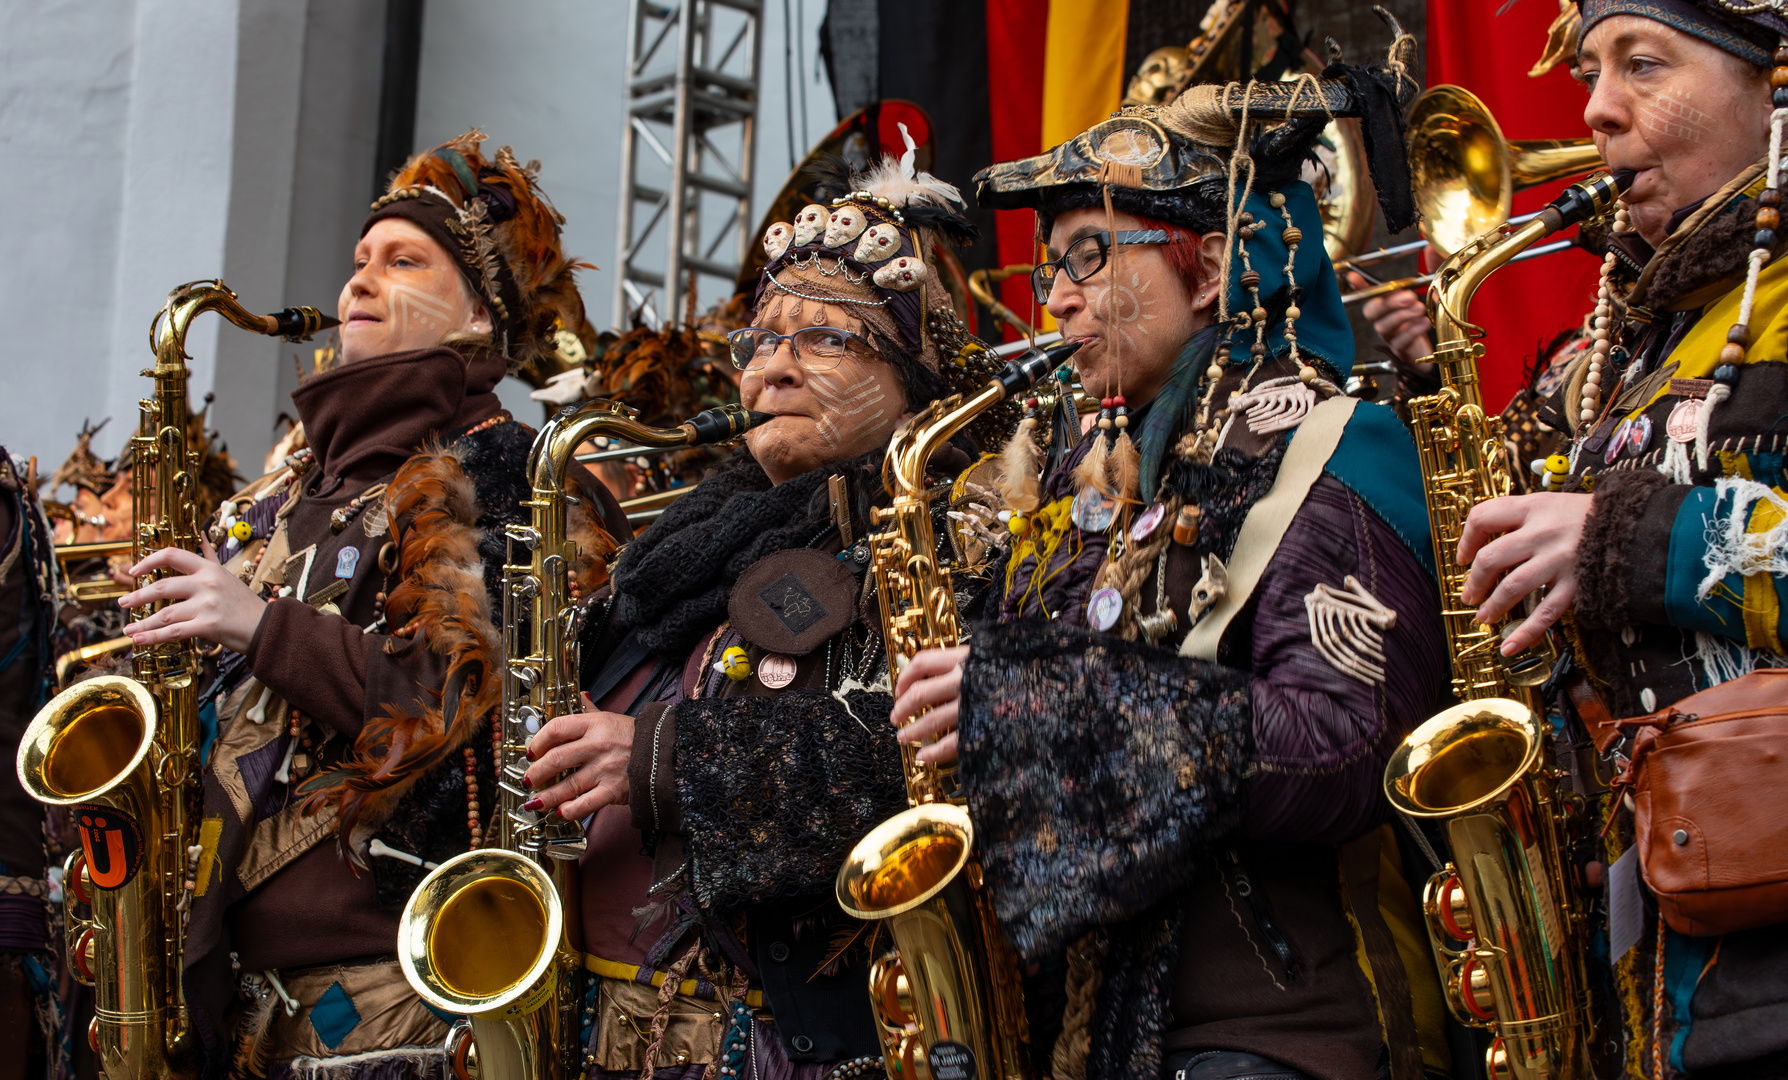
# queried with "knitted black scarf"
point(672, 583)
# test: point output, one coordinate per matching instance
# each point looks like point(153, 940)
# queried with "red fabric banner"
point(1016, 34)
point(1522, 306)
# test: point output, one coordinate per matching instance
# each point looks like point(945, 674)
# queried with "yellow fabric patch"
point(1083, 67)
point(1698, 353)
point(210, 832)
point(1735, 465)
point(1762, 605)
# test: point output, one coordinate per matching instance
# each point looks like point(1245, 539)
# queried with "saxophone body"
point(1508, 926)
point(948, 1000)
point(493, 934)
point(123, 752)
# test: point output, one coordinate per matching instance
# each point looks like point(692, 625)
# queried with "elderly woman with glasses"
point(737, 741)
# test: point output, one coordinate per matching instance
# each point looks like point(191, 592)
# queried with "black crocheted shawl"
point(671, 584)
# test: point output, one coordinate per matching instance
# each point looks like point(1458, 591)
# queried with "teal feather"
point(1172, 411)
point(461, 169)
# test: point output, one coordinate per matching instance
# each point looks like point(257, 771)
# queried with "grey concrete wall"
point(146, 143)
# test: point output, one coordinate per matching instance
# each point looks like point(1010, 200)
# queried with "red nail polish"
point(527, 784)
point(558, 813)
point(530, 752)
point(531, 806)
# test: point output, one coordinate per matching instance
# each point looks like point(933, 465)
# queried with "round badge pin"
point(1683, 420)
point(1617, 442)
point(776, 671)
point(1146, 523)
point(1103, 609)
point(1092, 511)
point(1639, 435)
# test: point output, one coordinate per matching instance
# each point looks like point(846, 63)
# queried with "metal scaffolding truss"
point(686, 161)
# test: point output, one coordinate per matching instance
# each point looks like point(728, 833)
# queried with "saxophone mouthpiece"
point(719, 425)
point(295, 324)
point(1586, 199)
point(1026, 368)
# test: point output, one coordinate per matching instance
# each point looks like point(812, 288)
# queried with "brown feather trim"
point(441, 590)
point(595, 547)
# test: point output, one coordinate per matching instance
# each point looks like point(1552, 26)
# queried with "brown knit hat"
point(504, 234)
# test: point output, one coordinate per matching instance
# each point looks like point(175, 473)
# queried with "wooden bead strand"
point(1601, 330)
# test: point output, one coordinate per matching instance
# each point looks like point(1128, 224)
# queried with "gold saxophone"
point(123, 753)
point(494, 934)
point(948, 1000)
point(1507, 925)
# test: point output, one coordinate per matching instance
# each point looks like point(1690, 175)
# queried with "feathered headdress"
point(868, 246)
point(504, 233)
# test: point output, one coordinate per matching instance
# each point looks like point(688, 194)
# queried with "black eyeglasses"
point(816, 348)
point(1086, 257)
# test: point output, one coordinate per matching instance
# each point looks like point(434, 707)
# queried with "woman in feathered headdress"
point(352, 594)
point(740, 739)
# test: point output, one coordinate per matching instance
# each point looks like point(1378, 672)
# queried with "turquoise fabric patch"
point(1721, 613)
point(442, 1015)
point(1684, 959)
point(1322, 327)
point(334, 1016)
point(1376, 459)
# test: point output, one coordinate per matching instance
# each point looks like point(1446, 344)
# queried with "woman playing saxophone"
point(352, 594)
point(739, 734)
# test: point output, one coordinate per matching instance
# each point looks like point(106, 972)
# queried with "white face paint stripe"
point(430, 312)
point(849, 403)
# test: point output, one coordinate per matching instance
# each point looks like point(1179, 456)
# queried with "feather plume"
point(891, 182)
point(541, 279)
point(1122, 467)
point(252, 1029)
point(1019, 481)
point(825, 177)
point(441, 589)
point(1091, 472)
point(1173, 408)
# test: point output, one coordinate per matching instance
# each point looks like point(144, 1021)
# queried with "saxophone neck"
point(1449, 298)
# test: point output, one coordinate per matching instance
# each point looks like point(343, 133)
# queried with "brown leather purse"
point(1709, 780)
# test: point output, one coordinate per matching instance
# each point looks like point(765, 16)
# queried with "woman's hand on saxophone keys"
point(932, 680)
point(207, 601)
point(580, 763)
point(1516, 545)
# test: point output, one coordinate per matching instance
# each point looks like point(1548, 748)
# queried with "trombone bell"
point(1466, 172)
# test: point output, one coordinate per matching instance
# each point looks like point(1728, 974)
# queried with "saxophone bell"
point(1507, 927)
point(492, 934)
point(916, 872)
point(124, 752)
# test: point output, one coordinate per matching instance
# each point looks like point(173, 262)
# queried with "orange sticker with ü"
point(112, 843)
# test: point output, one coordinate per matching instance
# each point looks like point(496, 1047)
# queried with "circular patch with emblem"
point(1092, 511)
point(1683, 420)
point(1146, 523)
point(1103, 609)
point(791, 602)
point(776, 671)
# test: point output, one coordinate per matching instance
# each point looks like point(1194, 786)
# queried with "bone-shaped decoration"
point(844, 225)
point(1213, 585)
point(777, 238)
point(901, 275)
point(1279, 405)
point(879, 244)
point(1348, 627)
point(809, 224)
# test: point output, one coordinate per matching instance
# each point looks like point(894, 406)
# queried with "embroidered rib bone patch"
point(1348, 627)
point(1279, 405)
